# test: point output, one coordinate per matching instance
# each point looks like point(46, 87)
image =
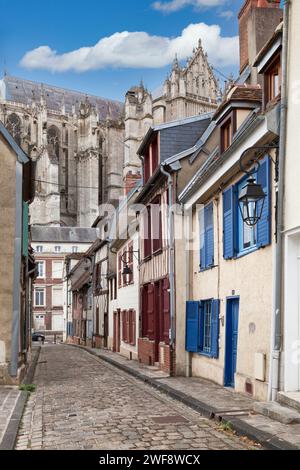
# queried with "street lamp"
point(127, 271)
point(251, 202)
point(252, 196)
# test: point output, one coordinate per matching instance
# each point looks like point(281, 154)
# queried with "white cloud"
point(137, 50)
point(175, 5)
point(227, 14)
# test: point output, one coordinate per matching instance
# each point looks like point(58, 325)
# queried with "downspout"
point(17, 272)
point(277, 313)
point(171, 262)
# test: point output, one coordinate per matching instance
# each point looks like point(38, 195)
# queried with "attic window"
point(227, 128)
point(272, 79)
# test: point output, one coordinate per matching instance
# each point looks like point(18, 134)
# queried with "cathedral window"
point(14, 127)
point(53, 141)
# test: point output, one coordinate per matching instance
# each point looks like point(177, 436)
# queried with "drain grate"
point(178, 419)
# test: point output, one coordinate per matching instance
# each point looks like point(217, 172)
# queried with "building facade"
point(17, 269)
point(51, 246)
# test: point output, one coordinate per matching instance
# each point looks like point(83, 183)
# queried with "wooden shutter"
point(150, 312)
point(120, 270)
point(147, 232)
point(127, 326)
point(166, 310)
point(157, 224)
point(125, 260)
point(130, 262)
point(264, 224)
point(202, 238)
point(154, 148)
point(124, 326)
point(228, 223)
point(215, 313)
point(133, 328)
point(144, 311)
point(209, 235)
point(146, 167)
point(192, 326)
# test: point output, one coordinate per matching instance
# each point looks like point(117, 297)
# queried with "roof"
point(22, 157)
point(170, 125)
point(63, 234)
point(240, 93)
point(213, 161)
point(25, 92)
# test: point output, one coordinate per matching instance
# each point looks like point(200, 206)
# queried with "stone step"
point(290, 399)
point(277, 412)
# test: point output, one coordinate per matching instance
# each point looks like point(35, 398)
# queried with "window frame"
point(57, 249)
point(269, 74)
point(39, 263)
point(228, 122)
point(40, 290)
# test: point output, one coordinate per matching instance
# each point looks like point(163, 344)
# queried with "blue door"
point(232, 328)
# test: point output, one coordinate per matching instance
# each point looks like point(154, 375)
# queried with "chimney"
point(258, 20)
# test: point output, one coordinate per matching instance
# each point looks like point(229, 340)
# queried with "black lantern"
point(127, 271)
point(251, 202)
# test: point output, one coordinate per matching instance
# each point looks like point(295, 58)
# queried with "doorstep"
point(212, 401)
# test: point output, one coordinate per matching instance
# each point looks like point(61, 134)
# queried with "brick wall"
point(131, 180)
point(165, 358)
point(146, 351)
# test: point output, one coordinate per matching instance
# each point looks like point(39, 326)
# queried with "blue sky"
point(121, 60)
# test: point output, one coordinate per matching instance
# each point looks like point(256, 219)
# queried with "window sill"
point(209, 268)
point(201, 353)
point(246, 252)
point(147, 258)
point(157, 252)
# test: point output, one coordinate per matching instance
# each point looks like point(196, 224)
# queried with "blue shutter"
point(264, 224)
point(192, 326)
point(209, 235)
point(201, 326)
point(215, 328)
point(202, 238)
point(228, 223)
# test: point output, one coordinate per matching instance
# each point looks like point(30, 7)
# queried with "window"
point(57, 269)
point(39, 297)
point(206, 237)
point(53, 136)
point(57, 296)
point(202, 327)
point(13, 126)
point(129, 327)
point(147, 232)
point(130, 262)
point(74, 249)
point(228, 129)
point(154, 154)
point(98, 277)
point(273, 80)
point(120, 269)
point(156, 225)
point(41, 269)
point(247, 236)
point(39, 249)
point(146, 167)
point(57, 249)
point(238, 238)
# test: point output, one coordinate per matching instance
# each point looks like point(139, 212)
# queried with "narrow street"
point(83, 403)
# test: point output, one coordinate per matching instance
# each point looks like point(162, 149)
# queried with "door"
point(117, 331)
point(232, 327)
point(105, 329)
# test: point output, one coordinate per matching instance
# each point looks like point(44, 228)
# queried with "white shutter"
point(57, 297)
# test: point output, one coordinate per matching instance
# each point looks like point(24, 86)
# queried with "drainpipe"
point(17, 272)
point(277, 313)
point(171, 244)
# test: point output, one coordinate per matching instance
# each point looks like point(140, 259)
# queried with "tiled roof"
point(244, 93)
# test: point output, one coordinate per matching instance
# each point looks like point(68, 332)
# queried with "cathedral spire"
point(176, 63)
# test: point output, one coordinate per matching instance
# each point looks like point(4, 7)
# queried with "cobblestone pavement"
point(83, 403)
point(8, 399)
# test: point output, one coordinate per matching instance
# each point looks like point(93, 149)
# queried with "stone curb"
point(10, 436)
point(267, 440)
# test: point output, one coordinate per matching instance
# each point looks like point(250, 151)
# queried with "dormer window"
point(151, 159)
point(228, 128)
point(272, 79)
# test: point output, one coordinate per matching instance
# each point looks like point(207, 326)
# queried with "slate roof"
point(63, 234)
point(24, 91)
